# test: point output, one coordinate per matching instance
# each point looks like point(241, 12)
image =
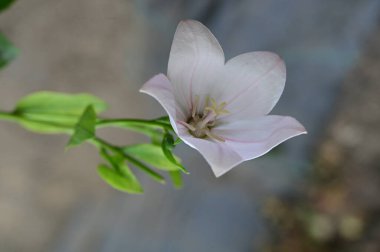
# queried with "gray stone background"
point(52, 200)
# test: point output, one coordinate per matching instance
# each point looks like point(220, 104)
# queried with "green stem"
point(12, 117)
point(145, 169)
point(133, 122)
point(9, 117)
point(125, 123)
point(101, 143)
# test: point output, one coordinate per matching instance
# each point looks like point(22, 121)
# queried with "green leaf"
point(52, 112)
point(85, 128)
point(119, 166)
point(125, 182)
point(177, 141)
point(45, 126)
point(140, 126)
point(164, 119)
point(4, 4)
point(149, 130)
point(156, 176)
point(7, 51)
point(153, 155)
point(176, 177)
point(167, 146)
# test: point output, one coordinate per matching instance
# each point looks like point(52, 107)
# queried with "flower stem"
point(101, 143)
point(8, 116)
point(125, 123)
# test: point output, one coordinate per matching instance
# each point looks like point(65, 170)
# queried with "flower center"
point(200, 124)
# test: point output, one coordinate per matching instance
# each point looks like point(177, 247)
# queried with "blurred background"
point(317, 192)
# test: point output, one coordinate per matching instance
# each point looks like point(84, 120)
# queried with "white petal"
point(195, 60)
point(160, 88)
point(253, 138)
point(218, 155)
point(251, 84)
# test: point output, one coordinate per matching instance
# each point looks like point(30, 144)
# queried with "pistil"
point(201, 124)
point(210, 117)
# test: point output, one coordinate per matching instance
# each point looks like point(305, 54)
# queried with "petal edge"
point(159, 87)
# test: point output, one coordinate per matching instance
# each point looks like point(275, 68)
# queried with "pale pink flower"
point(221, 108)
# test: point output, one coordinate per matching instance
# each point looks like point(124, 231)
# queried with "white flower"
point(221, 108)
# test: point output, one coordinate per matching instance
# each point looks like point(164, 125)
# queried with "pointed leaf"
point(45, 126)
point(176, 177)
point(153, 155)
point(167, 146)
point(85, 128)
point(119, 165)
point(52, 112)
point(119, 181)
point(156, 176)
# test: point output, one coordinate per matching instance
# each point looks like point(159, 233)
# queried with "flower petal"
point(251, 84)
point(195, 60)
point(218, 155)
point(253, 138)
point(160, 88)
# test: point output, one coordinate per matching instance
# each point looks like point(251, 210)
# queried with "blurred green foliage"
point(7, 51)
point(4, 4)
point(85, 128)
point(77, 115)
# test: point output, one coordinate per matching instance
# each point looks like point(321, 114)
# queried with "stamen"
point(195, 106)
point(217, 109)
point(189, 126)
point(213, 103)
point(208, 118)
point(214, 137)
point(207, 100)
point(201, 122)
point(211, 124)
